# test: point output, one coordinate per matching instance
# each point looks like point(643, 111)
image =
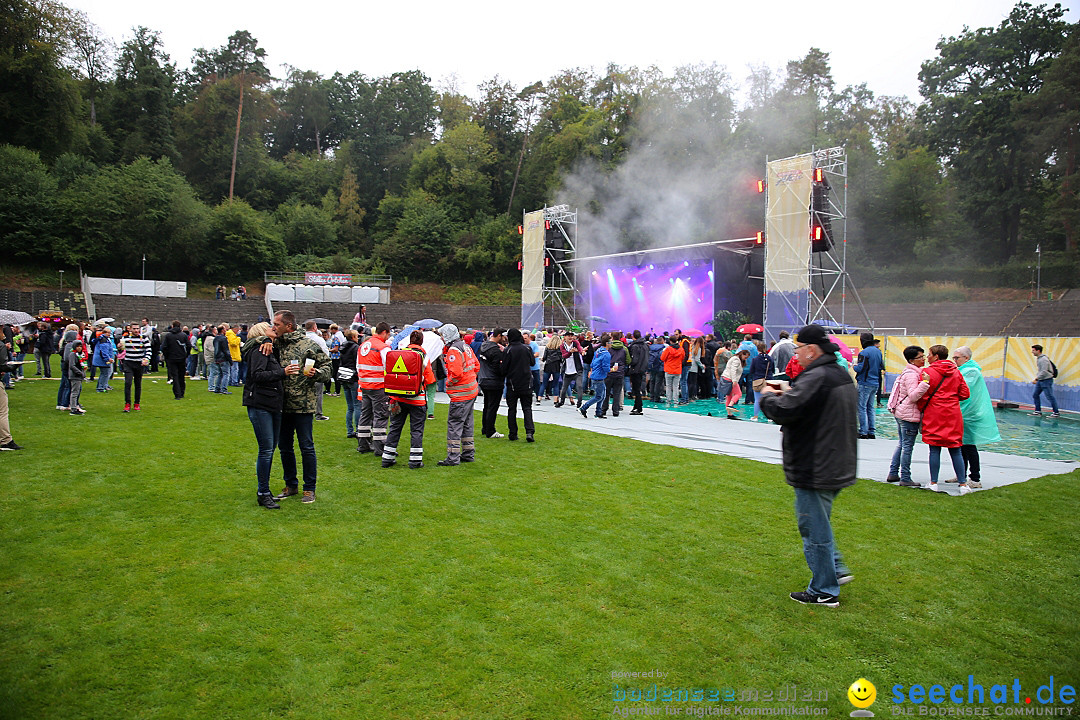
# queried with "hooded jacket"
point(980, 423)
point(601, 364)
point(517, 364)
point(491, 364)
point(175, 345)
point(817, 419)
point(943, 424)
point(906, 393)
point(620, 356)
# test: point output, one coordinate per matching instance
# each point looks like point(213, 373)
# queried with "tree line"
point(111, 152)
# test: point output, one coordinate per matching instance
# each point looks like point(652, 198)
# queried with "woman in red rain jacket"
point(942, 423)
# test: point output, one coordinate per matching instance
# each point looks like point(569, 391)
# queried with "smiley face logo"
point(862, 693)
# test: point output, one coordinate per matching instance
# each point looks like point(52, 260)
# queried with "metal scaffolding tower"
point(559, 272)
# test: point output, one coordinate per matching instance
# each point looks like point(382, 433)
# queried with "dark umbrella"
point(427, 324)
point(321, 322)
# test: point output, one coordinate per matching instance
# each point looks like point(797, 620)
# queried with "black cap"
point(816, 335)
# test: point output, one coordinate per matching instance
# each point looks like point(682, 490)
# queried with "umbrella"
point(321, 322)
point(15, 317)
point(844, 349)
point(427, 324)
point(693, 332)
point(751, 328)
point(106, 320)
point(402, 334)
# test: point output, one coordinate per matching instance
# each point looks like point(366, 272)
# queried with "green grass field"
point(140, 579)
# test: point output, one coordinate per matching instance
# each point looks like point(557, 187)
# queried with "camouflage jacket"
point(300, 389)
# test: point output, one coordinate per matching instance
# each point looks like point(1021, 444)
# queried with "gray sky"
point(881, 44)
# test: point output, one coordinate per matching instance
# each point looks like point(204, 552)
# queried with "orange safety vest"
point(461, 368)
point(369, 364)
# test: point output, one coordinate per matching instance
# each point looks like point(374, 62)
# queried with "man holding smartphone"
point(817, 418)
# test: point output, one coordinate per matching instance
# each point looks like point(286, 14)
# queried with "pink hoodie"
point(906, 392)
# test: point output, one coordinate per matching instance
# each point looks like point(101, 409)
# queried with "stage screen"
point(652, 297)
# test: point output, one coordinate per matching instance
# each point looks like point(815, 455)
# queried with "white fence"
point(276, 292)
point(144, 288)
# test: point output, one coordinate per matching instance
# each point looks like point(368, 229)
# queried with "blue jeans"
point(757, 401)
point(192, 365)
point(867, 400)
point(684, 388)
point(1045, 386)
point(957, 457)
point(597, 398)
point(299, 424)
point(537, 381)
point(63, 395)
point(224, 371)
point(19, 357)
point(234, 372)
point(212, 376)
point(813, 509)
point(551, 384)
point(901, 459)
point(103, 378)
point(267, 425)
point(352, 407)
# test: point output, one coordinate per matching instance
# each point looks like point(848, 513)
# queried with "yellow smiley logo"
point(862, 693)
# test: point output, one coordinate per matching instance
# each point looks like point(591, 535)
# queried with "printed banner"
point(328, 278)
point(787, 245)
point(532, 270)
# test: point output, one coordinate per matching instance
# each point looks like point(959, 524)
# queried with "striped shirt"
point(136, 348)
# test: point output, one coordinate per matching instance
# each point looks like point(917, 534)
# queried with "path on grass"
point(761, 441)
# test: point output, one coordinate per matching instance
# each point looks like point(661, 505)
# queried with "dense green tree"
point(306, 229)
point(39, 99)
point(973, 91)
point(349, 216)
point(455, 169)
point(305, 114)
point(115, 216)
point(28, 214)
point(242, 242)
point(419, 245)
point(140, 118)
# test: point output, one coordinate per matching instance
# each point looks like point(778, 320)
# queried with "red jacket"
point(942, 423)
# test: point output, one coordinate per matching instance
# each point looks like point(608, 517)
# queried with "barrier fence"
point(1007, 363)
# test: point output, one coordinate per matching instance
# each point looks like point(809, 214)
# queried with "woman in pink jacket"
point(906, 393)
point(943, 423)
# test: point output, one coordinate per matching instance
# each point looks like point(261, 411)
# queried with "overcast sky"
point(881, 44)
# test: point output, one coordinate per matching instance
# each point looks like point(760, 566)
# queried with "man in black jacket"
point(817, 418)
point(491, 380)
point(175, 348)
point(517, 369)
point(639, 363)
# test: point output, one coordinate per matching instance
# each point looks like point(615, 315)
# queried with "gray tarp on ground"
point(761, 441)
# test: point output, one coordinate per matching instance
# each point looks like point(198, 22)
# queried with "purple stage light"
point(655, 297)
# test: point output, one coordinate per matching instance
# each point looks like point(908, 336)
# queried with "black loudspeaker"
point(820, 218)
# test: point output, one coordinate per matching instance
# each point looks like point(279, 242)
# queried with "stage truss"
point(827, 267)
point(560, 285)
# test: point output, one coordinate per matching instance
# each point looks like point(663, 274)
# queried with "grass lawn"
point(140, 580)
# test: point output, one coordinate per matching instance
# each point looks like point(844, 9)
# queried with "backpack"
point(1053, 368)
point(404, 373)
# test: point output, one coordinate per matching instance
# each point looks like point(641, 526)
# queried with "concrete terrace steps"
point(1053, 318)
point(189, 311)
point(69, 302)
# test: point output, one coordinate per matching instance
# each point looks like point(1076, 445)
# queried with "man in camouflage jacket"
point(294, 349)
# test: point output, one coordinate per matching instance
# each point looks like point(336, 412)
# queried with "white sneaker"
point(935, 488)
point(965, 490)
point(497, 435)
